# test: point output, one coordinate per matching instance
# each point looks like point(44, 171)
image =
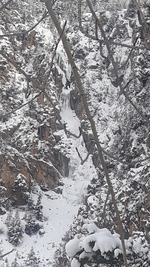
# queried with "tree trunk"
point(93, 127)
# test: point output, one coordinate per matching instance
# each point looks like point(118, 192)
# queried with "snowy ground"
point(58, 209)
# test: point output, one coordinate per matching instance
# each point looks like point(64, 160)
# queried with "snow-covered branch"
point(98, 246)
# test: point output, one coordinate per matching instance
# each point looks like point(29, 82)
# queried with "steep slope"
point(48, 143)
point(35, 147)
point(123, 126)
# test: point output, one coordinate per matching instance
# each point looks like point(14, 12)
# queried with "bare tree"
point(88, 114)
point(41, 87)
point(143, 23)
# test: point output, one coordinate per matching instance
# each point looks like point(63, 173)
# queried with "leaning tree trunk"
point(88, 114)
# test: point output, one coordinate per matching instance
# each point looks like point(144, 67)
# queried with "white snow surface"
point(103, 241)
point(75, 263)
point(59, 210)
point(72, 247)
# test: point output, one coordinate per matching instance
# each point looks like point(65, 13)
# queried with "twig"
point(126, 85)
point(9, 59)
point(21, 106)
point(125, 45)
point(145, 26)
point(124, 64)
point(132, 163)
point(135, 107)
point(23, 33)
point(80, 23)
point(104, 210)
point(89, 152)
point(34, 81)
point(114, 64)
point(96, 35)
point(122, 161)
point(2, 256)
point(92, 123)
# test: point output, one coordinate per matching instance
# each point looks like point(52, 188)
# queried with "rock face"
point(39, 98)
point(32, 168)
point(27, 136)
point(9, 171)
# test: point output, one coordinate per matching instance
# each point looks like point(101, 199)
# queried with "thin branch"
point(104, 151)
point(125, 63)
point(15, 64)
point(96, 35)
point(108, 42)
point(82, 160)
point(21, 106)
point(80, 23)
point(34, 81)
point(114, 64)
point(89, 152)
point(2, 256)
point(25, 32)
point(105, 204)
point(143, 23)
point(88, 114)
point(56, 46)
point(42, 18)
point(122, 161)
point(135, 107)
point(126, 85)
point(5, 5)
point(125, 45)
point(132, 163)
